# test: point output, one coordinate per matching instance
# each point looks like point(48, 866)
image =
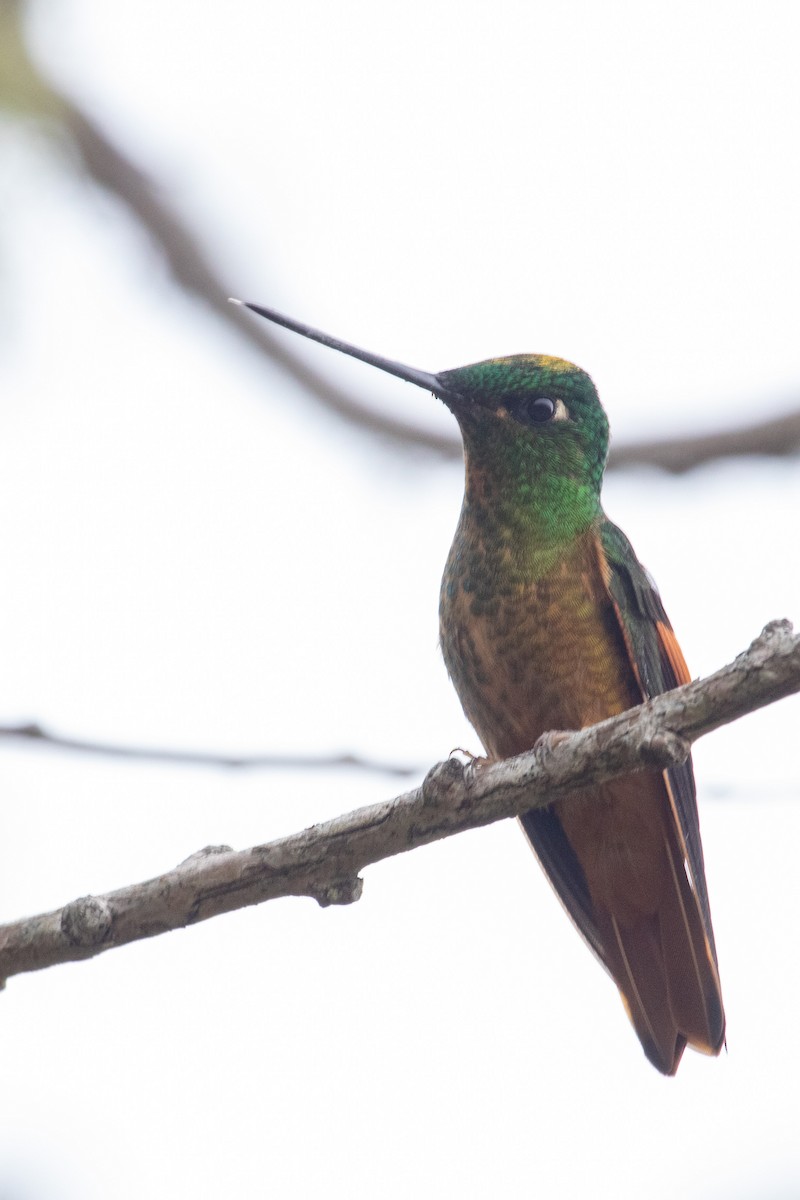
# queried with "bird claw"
point(473, 760)
point(474, 763)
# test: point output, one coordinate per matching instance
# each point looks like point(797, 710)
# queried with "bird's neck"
point(524, 521)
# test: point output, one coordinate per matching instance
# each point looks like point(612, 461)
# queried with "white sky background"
point(193, 555)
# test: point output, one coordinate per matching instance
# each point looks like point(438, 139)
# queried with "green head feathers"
point(531, 414)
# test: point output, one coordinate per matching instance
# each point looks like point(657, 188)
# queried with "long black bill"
point(422, 379)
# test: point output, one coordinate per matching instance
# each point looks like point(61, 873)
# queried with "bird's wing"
point(659, 666)
point(663, 962)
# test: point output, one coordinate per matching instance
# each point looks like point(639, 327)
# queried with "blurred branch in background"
point(776, 436)
point(33, 733)
point(323, 862)
point(192, 268)
point(25, 91)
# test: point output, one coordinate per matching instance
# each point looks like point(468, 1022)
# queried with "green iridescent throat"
point(527, 497)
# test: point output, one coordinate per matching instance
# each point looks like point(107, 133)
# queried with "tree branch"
point(324, 861)
point(35, 733)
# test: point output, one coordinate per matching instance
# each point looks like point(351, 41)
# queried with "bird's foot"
point(474, 764)
point(473, 760)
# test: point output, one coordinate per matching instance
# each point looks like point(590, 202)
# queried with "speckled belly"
point(535, 655)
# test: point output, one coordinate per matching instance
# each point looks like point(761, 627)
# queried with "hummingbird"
point(548, 621)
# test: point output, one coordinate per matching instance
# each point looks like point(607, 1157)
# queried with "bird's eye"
point(535, 411)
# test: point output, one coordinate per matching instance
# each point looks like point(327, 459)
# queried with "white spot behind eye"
point(561, 411)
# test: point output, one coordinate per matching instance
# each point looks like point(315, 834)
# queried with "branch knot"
point(87, 921)
point(443, 781)
point(663, 748)
point(341, 891)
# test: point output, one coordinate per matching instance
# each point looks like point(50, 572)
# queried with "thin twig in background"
point(33, 732)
